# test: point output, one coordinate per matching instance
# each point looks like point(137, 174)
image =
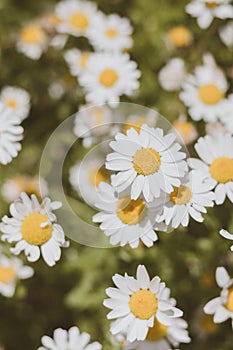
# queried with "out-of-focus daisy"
point(216, 164)
point(204, 92)
point(77, 60)
point(76, 17)
point(215, 128)
point(86, 176)
point(206, 10)
point(10, 134)
point(111, 33)
point(186, 130)
point(203, 324)
point(227, 117)
point(108, 76)
point(93, 123)
point(172, 75)
point(148, 161)
point(18, 99)
point(136, 121)
point(226, 34)
point(71, 339)
point(227, 235)
point(33, 226)
point(127, 221)
point(136, 303)
point(32, 41)
point(12, 270)
point(222, 306)
point(12, 187)
point(189, 199)
point(179, 36)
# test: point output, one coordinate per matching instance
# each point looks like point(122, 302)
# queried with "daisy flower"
point(148, 161)
point(32, 41)
point(226, 34)
point(206, 10)
point(137, 120)
point(111, 33)
point(203, 324)
point(204, 92)
point(71, 339)
point(189, 199)
point(222, 306)
point(216, 164)
point(215, 128)
point(125, 220)
point(75, 17)
point(108, 76)
point(10, 134)
point(93, 123)
point(77, 61)
point(18, 99)
point(33, 226)
point(186, 130)
point(172, 75)
point(227, 235)
point(179, 36)
point(136, 303)
point(12, 270)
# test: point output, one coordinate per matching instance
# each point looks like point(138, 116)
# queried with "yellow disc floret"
point(210, 94)
point(229, 304)
point(79, 20)
point(157, 332)
point(181, 195)
point(111, 33)
point(130, 211)
point(221, 169)
point(146, 161)
point(7, 274)
point(32, 35)
point(32, 231)
point(143, 304)
point(108, 77)
point(180, 36)
point(99, 175)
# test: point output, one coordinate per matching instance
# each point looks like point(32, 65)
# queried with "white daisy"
point(127, 221)
point(137, 120)
point(93, 123)
point(32, 41)
point(189, 199)
point(172, 75)
point(12, 270)
point(222, 306)
point(206, 10)
point(227, 235)
point(18, 99)
point(215, 128)
point(77, 61)
point(33, 226)
point(71, 339)
point(108, 76)
point(226, 34)
point(76, 17)
point(135, 303)
point(204, 92)
point(216, 164)
point(10, 134)
point(185, 130)
point(147, 161)
point(111, 33)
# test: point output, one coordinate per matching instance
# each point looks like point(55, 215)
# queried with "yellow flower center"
point(130, 211)
point(11, 103)
point(211, 4)
point(134, 124)
point(79, 21)
point(99, 175)
point(186, 130)
point(207, 323)
point(111, 32)
point(143, 304)
point(83, 59)
point(229, 304)
point(221, 169)
point(146, 161)
point(181, 195)
point(180, 36)
point(98, 114)
point(210, 94)
point(32, 35)
point(31, 229)
point(7, 274)
point(108, 77)
point(157, 332)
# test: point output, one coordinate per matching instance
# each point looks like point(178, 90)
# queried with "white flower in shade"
point(32, 41)
point(226, 34)
point(172, 75)
point(127, 221)
point(77, 60)
point(18, 99)
point(227, 235)
point(206, 10)
point(75, 17)
point(136, 303)
point(33, 226)
point(222, 306)
point(86, 176)
point(11, 132)
point(204, 92)
point(149, 162)
point(186, 130)
point(93, 123)
point(108, 76)
point(216, 164)
point(227, 117)
point(111, 33)
point(189, 199)
point(71, 339)
point(12, 270)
